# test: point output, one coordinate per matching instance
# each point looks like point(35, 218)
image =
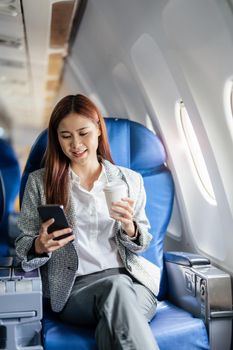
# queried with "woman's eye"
point(83, 134)
point(66, 136)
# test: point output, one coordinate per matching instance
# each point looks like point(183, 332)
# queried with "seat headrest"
point(134, 146)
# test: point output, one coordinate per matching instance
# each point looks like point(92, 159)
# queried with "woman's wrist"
point(33, 251)
point(135, 236)
point(132, 231)
point(37, 247)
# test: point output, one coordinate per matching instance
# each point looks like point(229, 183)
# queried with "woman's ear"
point(98, 131)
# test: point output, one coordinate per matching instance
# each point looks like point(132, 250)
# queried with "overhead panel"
point(55, 63)
point(62, 16)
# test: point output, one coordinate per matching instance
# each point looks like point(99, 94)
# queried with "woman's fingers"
point(45, 225)
point(123, 211)
point(124, 208)
point(48, 242)
point(56, 234)
point(53, 245)
point(129, 200)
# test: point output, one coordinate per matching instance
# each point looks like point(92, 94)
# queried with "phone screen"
point(56, 212)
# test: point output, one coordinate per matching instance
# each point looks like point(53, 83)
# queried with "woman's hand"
point(45, 242)
point(123, 212)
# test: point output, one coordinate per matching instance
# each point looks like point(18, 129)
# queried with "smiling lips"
point(79, 152)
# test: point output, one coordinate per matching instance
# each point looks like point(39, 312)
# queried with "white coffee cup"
point(114, 191)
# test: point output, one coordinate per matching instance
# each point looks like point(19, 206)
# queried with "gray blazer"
point(58, 269)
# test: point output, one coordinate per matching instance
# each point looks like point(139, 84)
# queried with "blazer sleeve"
point(29, 225)
point(140, 220)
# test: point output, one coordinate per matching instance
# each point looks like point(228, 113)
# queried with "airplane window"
point(195, 152)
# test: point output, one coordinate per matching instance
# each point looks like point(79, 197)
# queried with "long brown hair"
point(56, 162)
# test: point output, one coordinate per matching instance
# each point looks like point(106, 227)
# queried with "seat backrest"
point(2, 198)
point(10, 170)
point(136, 147)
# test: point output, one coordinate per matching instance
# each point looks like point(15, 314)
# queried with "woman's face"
point(78, 138)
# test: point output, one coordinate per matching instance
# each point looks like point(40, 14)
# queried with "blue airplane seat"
point(134, 146)
point(9, 167)
point(3, 246)
point(2, 198)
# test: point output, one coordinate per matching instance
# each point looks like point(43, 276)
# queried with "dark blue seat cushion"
point(172, 327)
point(175, 328)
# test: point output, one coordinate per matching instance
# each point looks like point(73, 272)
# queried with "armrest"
point(186, 259)
point(182, 280)
point(204, 290)
point(191, 278)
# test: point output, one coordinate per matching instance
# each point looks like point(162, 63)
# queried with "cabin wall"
point(138, 60)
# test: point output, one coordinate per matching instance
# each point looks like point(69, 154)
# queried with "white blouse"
point(97, 249)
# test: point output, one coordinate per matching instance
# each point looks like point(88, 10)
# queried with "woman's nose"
point(76, 143)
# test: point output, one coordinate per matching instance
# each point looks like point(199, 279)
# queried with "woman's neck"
point(88, 174)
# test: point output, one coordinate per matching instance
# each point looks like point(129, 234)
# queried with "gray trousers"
point(117, 305)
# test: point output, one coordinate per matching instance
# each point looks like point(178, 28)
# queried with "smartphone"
point(56, 212)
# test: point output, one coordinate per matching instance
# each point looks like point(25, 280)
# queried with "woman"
point(94, 276)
